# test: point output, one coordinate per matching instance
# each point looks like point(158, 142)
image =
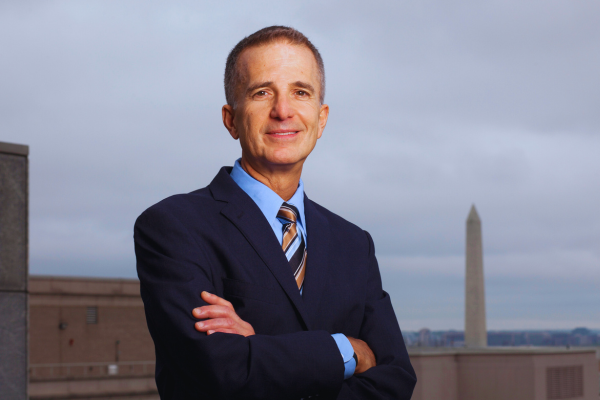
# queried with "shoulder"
point(182, 207)
point(341, 227)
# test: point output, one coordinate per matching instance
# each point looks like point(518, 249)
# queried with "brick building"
point(88, 338)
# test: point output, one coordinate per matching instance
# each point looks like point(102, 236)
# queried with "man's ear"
point(323, 115)
point(229, 121)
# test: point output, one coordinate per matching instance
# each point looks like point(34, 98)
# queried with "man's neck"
point(283, 181)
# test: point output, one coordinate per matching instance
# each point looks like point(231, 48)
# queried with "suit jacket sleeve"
point(173, 271)
point(393, 377)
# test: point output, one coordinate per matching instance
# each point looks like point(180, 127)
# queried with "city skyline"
point(579, 336)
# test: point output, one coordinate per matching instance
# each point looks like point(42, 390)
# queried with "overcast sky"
point(435, 105)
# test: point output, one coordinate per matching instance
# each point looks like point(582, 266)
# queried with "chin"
point(285, 159)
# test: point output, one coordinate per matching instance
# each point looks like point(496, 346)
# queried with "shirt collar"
point(266, 199)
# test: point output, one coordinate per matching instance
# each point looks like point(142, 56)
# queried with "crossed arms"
point(173, 270)
point(220, 316)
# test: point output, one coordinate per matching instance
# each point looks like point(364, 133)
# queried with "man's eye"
point(301, 93)
point(260, 93)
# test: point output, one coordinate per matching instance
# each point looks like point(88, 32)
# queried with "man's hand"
point(366, 358)
point(220, 317)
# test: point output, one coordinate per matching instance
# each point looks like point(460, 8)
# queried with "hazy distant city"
point(453, 338)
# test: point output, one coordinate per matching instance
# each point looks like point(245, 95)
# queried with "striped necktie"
point(293, 243)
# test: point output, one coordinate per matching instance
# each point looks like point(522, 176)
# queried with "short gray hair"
point(265, 36)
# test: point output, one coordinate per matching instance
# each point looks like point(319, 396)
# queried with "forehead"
point(278, 61)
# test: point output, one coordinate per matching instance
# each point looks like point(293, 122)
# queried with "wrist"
point(347, 352)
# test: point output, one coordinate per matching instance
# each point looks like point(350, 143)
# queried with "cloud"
point(557, 265)
point(434, 106)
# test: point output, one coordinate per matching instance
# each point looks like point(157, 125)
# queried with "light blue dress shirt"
point(269, 203)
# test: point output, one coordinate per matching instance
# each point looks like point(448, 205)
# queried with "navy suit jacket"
point(217, 239)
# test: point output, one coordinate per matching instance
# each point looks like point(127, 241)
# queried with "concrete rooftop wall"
point(505, 373)
point(14, 259)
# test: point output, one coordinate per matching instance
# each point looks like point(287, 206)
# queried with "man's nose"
point(282, 108)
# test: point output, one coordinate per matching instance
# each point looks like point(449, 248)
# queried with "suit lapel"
point(317, 264)
point(247, 217)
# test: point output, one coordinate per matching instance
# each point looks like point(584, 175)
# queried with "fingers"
point(216, 324)
point(215, 300)
point(223, 331)
point(225, 325)
point(213, 312)
point(219, 316)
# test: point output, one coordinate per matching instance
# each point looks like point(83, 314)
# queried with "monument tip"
point(473, 216)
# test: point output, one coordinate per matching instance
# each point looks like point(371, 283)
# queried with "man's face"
point(278, 117)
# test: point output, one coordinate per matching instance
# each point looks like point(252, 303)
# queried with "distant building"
point(547, 338)
point(453, 339)
point(424, 337)
point(88, 338)
point(505, 373)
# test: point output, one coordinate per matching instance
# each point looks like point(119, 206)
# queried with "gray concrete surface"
point(14, 261)
point(505, 373)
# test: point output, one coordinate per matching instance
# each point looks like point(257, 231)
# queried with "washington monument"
point(475, 326)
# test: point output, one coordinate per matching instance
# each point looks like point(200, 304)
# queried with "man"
point(251, 290)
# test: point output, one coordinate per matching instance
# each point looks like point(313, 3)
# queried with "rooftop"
point(522, 350)
point(64, 285)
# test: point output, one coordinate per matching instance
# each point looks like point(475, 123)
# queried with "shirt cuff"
point(347, 352)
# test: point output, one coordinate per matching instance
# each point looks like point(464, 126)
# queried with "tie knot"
point(288, 212)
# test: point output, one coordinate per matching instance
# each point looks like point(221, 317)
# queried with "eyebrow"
point(304, 85)
point(258, 85)
point(300, 84)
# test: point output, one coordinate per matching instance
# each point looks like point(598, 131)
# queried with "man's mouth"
point(282, 133)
